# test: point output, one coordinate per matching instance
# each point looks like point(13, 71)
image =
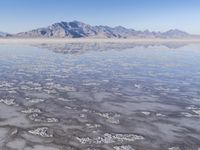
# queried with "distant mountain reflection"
point(80, 48)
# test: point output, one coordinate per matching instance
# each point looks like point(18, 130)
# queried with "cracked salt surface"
point(8, 101)
point(110, 138)
point(43, 131)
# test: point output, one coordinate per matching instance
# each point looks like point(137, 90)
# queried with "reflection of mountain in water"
point(78, 48)
point(174, 45)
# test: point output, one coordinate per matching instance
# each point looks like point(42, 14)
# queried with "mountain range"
point(77, 29)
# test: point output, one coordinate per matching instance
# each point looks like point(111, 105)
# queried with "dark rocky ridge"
point(76, 29)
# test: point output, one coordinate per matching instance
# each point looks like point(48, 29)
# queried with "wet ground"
point(99, 97)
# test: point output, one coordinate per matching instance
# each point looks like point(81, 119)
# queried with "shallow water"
point(99, 97)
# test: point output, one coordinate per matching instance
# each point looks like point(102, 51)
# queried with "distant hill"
point(76, 29)
point(3, 34)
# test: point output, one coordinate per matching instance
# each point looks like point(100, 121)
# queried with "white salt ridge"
point(197, 112)
point(196, 99)
point(90, 126)
point(91, 84)
point(194, 109)
point(65, 100)
point(8, 101)
point(52, 85)
point(174, 148)
point(67, 107)
point(31, 110)
point(111, 119)
point(160, 115)
point(82, 115)
point(146, 113)
point(43, 131)
point(186, 114)
point(84, 140)
point(109, 138)
point(25, 87)
point(67, 89)
point(36, 100)
point(93, 148)
point(6, 84)
point(85, 110)
point(15, 131)
point(12, 92)
point(49, 91)
point(123, 147)
point(137, 86)
point(33, 83)
point(35, 117)
point(49, 79)
point(51, 120)
point(38, 88)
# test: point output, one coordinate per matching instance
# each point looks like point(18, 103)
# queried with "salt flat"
point(99, 95)
point(92, 40)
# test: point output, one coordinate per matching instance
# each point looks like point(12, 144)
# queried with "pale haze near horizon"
point(155, 15)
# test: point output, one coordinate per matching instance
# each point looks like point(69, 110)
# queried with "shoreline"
point(90, 40)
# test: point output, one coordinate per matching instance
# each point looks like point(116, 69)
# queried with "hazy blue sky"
point(21, 15)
